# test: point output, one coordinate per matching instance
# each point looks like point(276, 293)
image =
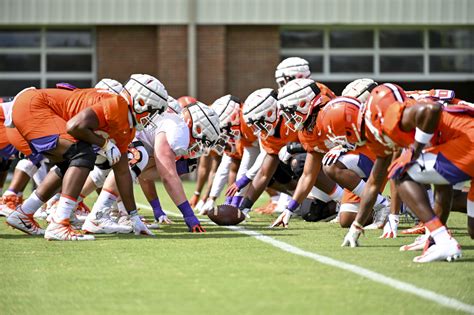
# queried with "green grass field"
point(223, 272)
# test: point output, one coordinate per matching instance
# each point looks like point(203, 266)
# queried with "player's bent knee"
point(81, 154)
point(60, 168)
point(347, 214)
point(27, 167)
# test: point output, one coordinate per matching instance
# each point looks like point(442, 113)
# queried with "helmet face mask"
point(296, 101)
point(260, 112)
point(204, 127)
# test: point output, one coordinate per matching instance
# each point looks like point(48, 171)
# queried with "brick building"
point(209, 48)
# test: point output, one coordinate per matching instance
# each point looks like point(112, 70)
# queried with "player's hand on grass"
point(208, 206)
point(163, 219)
point(352, 237)
point(391, 226)
point(283, 219)
point(137, 224)
point(194, 225)
point(110, 151)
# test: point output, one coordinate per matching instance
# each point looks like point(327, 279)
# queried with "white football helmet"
point(290, 69)
point(149, 97)
point(260, 112)
point(360, 89)
point(111, 85)
point(203, 124)
point(228, 110)
point(173, 105)
point(296, 101)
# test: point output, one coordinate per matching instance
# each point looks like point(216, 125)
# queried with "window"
point(343, 54)
point(43, 57)
point(351, 39)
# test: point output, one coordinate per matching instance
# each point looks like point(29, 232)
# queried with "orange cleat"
point(417, 229)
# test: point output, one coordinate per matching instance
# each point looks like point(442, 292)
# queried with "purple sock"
point(157, 211)
point(236, 200)
point(228, 200)
point(186, 209)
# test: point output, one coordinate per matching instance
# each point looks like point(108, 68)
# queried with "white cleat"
point(24, 222)
point(380, 216)
point(41, 213)
point(104, 225)
point(63, 231)
point(8, 204)
point(449, 251)
point(418, 244)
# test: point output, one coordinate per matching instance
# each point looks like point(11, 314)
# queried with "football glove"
point(137, 224)
point(110, 151)
point(333, 155)
point(391, 227)
point(352, 237)
point(283, 219)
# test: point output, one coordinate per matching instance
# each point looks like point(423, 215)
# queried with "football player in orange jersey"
point(168, 148)
point(64, 125)
point(301, 102)
point(393, 121)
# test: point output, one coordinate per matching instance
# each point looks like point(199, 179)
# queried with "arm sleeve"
point(248, 159)
point(220, 178)
point(257, 165)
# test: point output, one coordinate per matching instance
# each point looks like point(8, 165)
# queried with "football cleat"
point(380, 216)
point(41, 213)
point(8, 204)
point(418, 244)
point(103, 224)
point(24, 222)
point(62, 231)
point(449, 251)
point(417, 229)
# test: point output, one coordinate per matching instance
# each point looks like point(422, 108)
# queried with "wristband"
point(422, 137)
point(242, 182)
point(292, 205)
point(246, 204)
point(197, 193)
point(157, 210)
point(133, 213)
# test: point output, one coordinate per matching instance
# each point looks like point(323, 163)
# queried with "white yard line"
point(366, 273)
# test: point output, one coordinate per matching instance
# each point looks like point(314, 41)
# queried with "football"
point(226, 215)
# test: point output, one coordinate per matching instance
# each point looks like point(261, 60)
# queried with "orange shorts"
point(349, 197)
point(37, 122)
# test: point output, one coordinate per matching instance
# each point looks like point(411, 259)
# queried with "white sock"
point(106, 200)
point(359, 188)
point(32, 204)
point(65, 207)
point(441, 235)
point(336, 195)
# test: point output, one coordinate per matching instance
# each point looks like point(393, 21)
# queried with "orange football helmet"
point(374, 110)
point(338, 122)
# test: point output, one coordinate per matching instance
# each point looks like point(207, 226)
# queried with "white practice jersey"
point(176, 130)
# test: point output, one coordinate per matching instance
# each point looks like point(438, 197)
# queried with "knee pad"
point(40, 175)
point(81, 154)
point(5, 164)
point(27, 167)
point(137, 158)
point(61, 168)
point(98, 176)
point(102, 162)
